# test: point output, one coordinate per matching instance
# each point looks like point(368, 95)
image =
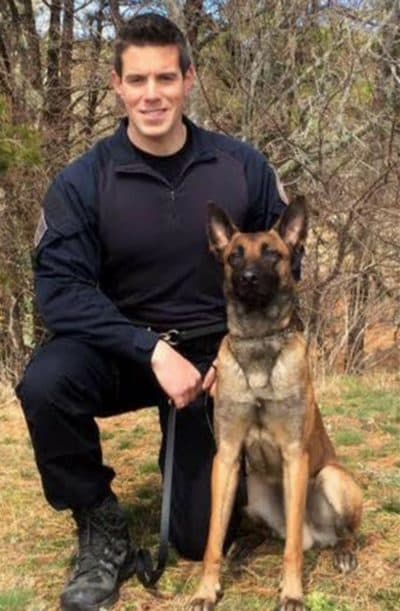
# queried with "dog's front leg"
point(295, 491)
point(225, 475)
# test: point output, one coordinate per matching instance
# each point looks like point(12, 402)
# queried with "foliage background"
point(313, 84)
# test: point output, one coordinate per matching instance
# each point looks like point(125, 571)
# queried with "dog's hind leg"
point(334, 509)
point(224, 481)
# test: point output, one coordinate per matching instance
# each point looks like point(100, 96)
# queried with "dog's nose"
point(249, 276)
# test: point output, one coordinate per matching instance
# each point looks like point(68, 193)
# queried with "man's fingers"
point(182, 400)
point(179, 379)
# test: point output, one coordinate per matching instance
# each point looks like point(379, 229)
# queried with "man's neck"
point(159, 147)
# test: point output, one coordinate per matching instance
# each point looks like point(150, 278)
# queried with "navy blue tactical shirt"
point(169, 166)
point(125, 246)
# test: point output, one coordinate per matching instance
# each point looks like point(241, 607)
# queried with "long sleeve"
point(67, 278)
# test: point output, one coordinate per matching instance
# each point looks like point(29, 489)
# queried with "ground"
point(37, 543)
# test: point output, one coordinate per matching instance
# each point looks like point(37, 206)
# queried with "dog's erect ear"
point(293, 224)
point(220, 228)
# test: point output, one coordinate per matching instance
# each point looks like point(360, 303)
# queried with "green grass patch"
point(391, 506)
point(348, 438)
point(370, 402)
point(148, 493)
point(150, 467)
point(367, 453)
point(125, 444)
point(15, 600)
point(389, 597)
point(106, 435)
point(128, 439)
point(392, 429)
point(391, 479)
point(139, 432)
point(333, 410)
point(318, 601)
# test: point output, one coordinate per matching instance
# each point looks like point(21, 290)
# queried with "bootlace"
point(102, 540)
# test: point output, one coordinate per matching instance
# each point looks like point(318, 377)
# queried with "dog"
point(265, 404)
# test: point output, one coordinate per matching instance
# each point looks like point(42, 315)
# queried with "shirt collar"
point(124, 153)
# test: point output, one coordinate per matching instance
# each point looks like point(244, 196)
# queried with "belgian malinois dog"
point(264, 403)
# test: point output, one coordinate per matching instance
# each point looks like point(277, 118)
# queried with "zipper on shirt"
point(172, 206)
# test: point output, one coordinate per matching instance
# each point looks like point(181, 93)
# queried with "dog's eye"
point(236, 256)
point(269, 254)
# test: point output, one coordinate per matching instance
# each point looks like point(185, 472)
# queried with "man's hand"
point(179, 379)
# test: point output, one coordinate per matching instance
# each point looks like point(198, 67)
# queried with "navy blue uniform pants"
point(68, 383)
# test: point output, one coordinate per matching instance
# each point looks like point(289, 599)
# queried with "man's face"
point(154, 91)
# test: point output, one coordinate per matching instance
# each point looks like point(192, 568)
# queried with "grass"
point(348, 438)
point(37, 543)
point(16, 599)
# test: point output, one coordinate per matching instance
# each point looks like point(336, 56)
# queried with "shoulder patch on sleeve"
point(279, 186)
point(40, 230)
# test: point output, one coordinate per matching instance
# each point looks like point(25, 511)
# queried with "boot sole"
point(105, 604)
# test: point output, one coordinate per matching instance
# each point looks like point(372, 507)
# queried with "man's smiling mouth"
point(154, 111)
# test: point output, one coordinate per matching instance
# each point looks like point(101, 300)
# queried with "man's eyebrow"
point(130, 74)
point(171, 73)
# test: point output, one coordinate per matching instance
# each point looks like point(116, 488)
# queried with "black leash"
point(145, 571)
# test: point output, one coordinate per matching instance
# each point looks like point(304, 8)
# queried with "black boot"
point(106, 557)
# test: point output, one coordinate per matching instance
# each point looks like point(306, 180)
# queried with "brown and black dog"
point(264, 403)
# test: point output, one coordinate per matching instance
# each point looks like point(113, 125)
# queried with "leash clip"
point(171, 337)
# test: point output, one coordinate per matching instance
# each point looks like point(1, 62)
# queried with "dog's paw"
point(202, 604)
point(292, 604)
point(345, 561)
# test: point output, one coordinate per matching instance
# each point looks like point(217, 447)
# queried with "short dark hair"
point(150, 29)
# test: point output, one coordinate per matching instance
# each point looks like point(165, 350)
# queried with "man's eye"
point(135, 80)
point(167, 77)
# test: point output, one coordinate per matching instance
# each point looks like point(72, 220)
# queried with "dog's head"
point(257, 265)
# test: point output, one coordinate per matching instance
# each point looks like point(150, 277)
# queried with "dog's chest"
point(270, 369)
point(274, 381)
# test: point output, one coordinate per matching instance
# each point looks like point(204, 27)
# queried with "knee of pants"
point(51, 377)
point(193, 545)
point(189, 545)
point(37, 386)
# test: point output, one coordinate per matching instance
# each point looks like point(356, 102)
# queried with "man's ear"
point(293, 224)
point(189, 80)
point(116, 82)
point(220, 229)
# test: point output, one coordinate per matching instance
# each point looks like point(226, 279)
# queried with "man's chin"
point(155, 131)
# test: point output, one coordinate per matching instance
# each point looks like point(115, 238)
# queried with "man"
point(121, 258)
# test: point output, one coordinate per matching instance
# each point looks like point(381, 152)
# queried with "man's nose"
point(151, 91)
